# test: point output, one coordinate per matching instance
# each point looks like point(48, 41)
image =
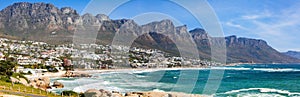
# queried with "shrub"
point(4, 78)
point(20, 76)
point(69, 93)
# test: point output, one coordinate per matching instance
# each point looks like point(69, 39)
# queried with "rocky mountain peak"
point(68, 10)
point(89, 19)
point(130, 23)
point(198, 31)
point(25, 8)
point(163, 26)
point(30, 5)
point(199, 34)
point(102, 17)
point(245, 42)
point(181, 29)
point(87, 15)
point(166, 22)
point(21, 4)
point(162, 23)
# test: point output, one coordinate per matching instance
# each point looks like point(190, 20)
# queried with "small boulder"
point(92, 93)
point(57, 85)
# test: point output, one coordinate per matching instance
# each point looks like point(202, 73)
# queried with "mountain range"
point(45, 22)
point(295, 54)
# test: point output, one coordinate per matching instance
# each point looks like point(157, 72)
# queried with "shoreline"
point(91, 71)
point(46, 74)
point(123, 70)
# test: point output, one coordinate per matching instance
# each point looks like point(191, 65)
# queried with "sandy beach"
point(46, 74)
point(87, 71)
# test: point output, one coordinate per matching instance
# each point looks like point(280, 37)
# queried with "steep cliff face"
point(240, 49)
point(36, 17)
point(253, 50)
point(45, 22)
point(38, 21)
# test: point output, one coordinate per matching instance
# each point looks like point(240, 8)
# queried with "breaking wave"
point(261, 92)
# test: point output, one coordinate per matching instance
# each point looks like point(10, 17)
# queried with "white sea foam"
point(158, 90)
point(66, 81)
point(276, 69)
point(78, 90)
point(258, 95)
point(258, 69)
point(106, 82)
point(231, 68)
point(140, 76)
point(166, 69)
point(103, 85)
point(118, 82)
point(263, 90)
point(145, 70)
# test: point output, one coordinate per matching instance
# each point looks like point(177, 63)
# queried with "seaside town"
point(38, 55)
point(34, 62)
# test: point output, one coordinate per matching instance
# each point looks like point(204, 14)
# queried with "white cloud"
point(264, 14)
point(280, 28)
point(280, 34)
point(230, 24)
point(250, 16)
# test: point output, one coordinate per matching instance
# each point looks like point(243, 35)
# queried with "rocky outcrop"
point(42, 83)
point(160, 94)
point(75, 74)
point(103, 93)
point(57, 84)
point(19, 80)
point(98, 93)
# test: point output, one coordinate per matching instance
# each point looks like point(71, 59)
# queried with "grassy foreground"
point(24, 89)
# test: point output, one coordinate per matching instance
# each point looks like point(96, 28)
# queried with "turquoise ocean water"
point(243, 80)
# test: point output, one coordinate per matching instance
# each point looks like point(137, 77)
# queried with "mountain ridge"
point(45, 22)
point(295, 54)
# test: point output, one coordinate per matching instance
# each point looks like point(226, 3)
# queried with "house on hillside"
point(2, 56)
point(26, 60)
point(53, 61)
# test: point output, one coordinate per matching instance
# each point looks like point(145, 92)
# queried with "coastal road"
point(20, 93)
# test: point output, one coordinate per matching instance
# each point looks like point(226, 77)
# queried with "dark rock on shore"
point(57, 85)
point(42, 83)
point(75, 74)
point(98, 93)
point(103, 93)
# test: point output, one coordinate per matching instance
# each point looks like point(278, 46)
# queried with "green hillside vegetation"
point(6, 71)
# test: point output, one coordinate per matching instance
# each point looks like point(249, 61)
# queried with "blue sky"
point(276, 21)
